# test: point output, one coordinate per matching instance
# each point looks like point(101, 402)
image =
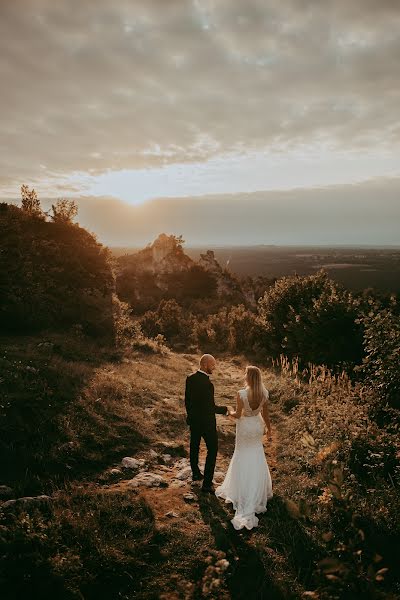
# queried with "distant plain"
point(356, 268)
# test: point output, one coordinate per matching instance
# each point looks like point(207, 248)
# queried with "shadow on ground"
point(248, 578)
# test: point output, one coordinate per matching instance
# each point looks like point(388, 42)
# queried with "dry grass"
point(101, 539)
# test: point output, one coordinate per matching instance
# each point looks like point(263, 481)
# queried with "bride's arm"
point(265, 415)
point(239, 407)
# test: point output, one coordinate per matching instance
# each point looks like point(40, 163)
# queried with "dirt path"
point(180, 504)
point(163, 500)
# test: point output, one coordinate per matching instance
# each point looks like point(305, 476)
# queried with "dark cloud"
point(95, 85)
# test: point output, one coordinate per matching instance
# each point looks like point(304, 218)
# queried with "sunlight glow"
point(303, 167)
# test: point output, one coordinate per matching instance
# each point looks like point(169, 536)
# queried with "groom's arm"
point(188, 400)
point(219, 410)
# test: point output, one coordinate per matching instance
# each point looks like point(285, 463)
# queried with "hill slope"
point(144, 531)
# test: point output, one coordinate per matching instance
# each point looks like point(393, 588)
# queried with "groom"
point(201, 409)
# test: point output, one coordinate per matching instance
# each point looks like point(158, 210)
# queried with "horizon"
point(216, 246)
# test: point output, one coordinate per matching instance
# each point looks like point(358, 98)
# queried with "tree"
point(52, 276)
point(30, 202)
point(64, 210)
point(312, 318)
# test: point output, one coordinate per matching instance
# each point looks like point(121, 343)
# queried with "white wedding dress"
point(247, 483)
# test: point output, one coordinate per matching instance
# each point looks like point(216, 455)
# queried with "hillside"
point(102, 532)
point(53, 274)
point(163, 270)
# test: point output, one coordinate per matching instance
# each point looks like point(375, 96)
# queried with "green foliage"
point(64, 210)
point(30, 202)
point(311, 317)
point(129, 332)
point(170, 321)
point(53, 275)
point(348, 469)
point(145, 290)
point(382, 351)
point(235, 329)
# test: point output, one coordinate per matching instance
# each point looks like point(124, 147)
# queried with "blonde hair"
point(256, 389)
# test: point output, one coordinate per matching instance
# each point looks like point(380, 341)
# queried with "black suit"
point(201, 409)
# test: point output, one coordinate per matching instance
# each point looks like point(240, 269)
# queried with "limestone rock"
point(184, 474)
point(27, 502)
point(182, 463)
point(189, 498)
point(132, 463)
point(6, 492)
point(177, 484)
point(148, 480)
point(173, 448)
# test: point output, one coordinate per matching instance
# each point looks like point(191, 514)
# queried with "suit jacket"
point(199, 402)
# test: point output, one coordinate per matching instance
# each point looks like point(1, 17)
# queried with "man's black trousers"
point(209, 435)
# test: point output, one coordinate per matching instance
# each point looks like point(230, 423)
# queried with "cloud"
point(93, 86)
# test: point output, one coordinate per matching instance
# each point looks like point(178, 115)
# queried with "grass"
point(101, 538)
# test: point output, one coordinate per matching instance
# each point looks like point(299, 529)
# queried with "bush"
point(169, 321)
point(311, 317)
point(382, 349)
point(375, 456)
point(129, 333)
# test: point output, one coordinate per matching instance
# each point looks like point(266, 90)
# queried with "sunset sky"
point(227, 121)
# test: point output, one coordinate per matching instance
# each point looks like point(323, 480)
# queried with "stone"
point(184, 474)
point(177, 484)
point(27, 501)
point(166, 458)
point(173, 448)
point(115, 471)
point(182, 463)
point(172, 514)
point(189, 498)
point(153, 454)
point(46, 345)
point(219, 476)
point(6, 492)
point(132, 463)
point(148, 480)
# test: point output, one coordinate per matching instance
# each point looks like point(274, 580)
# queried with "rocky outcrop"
point(228, 285)
point(148, 480)
point(27, 502)
point(165, 255)
point(162, 269)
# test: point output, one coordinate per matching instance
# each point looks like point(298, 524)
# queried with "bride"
point(247, 483)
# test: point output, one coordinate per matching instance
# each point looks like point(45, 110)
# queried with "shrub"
point(311, 317)
point(64, 210)
point(382, 351)
point(169, 321)
point(129, 333)
point(30, 202)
